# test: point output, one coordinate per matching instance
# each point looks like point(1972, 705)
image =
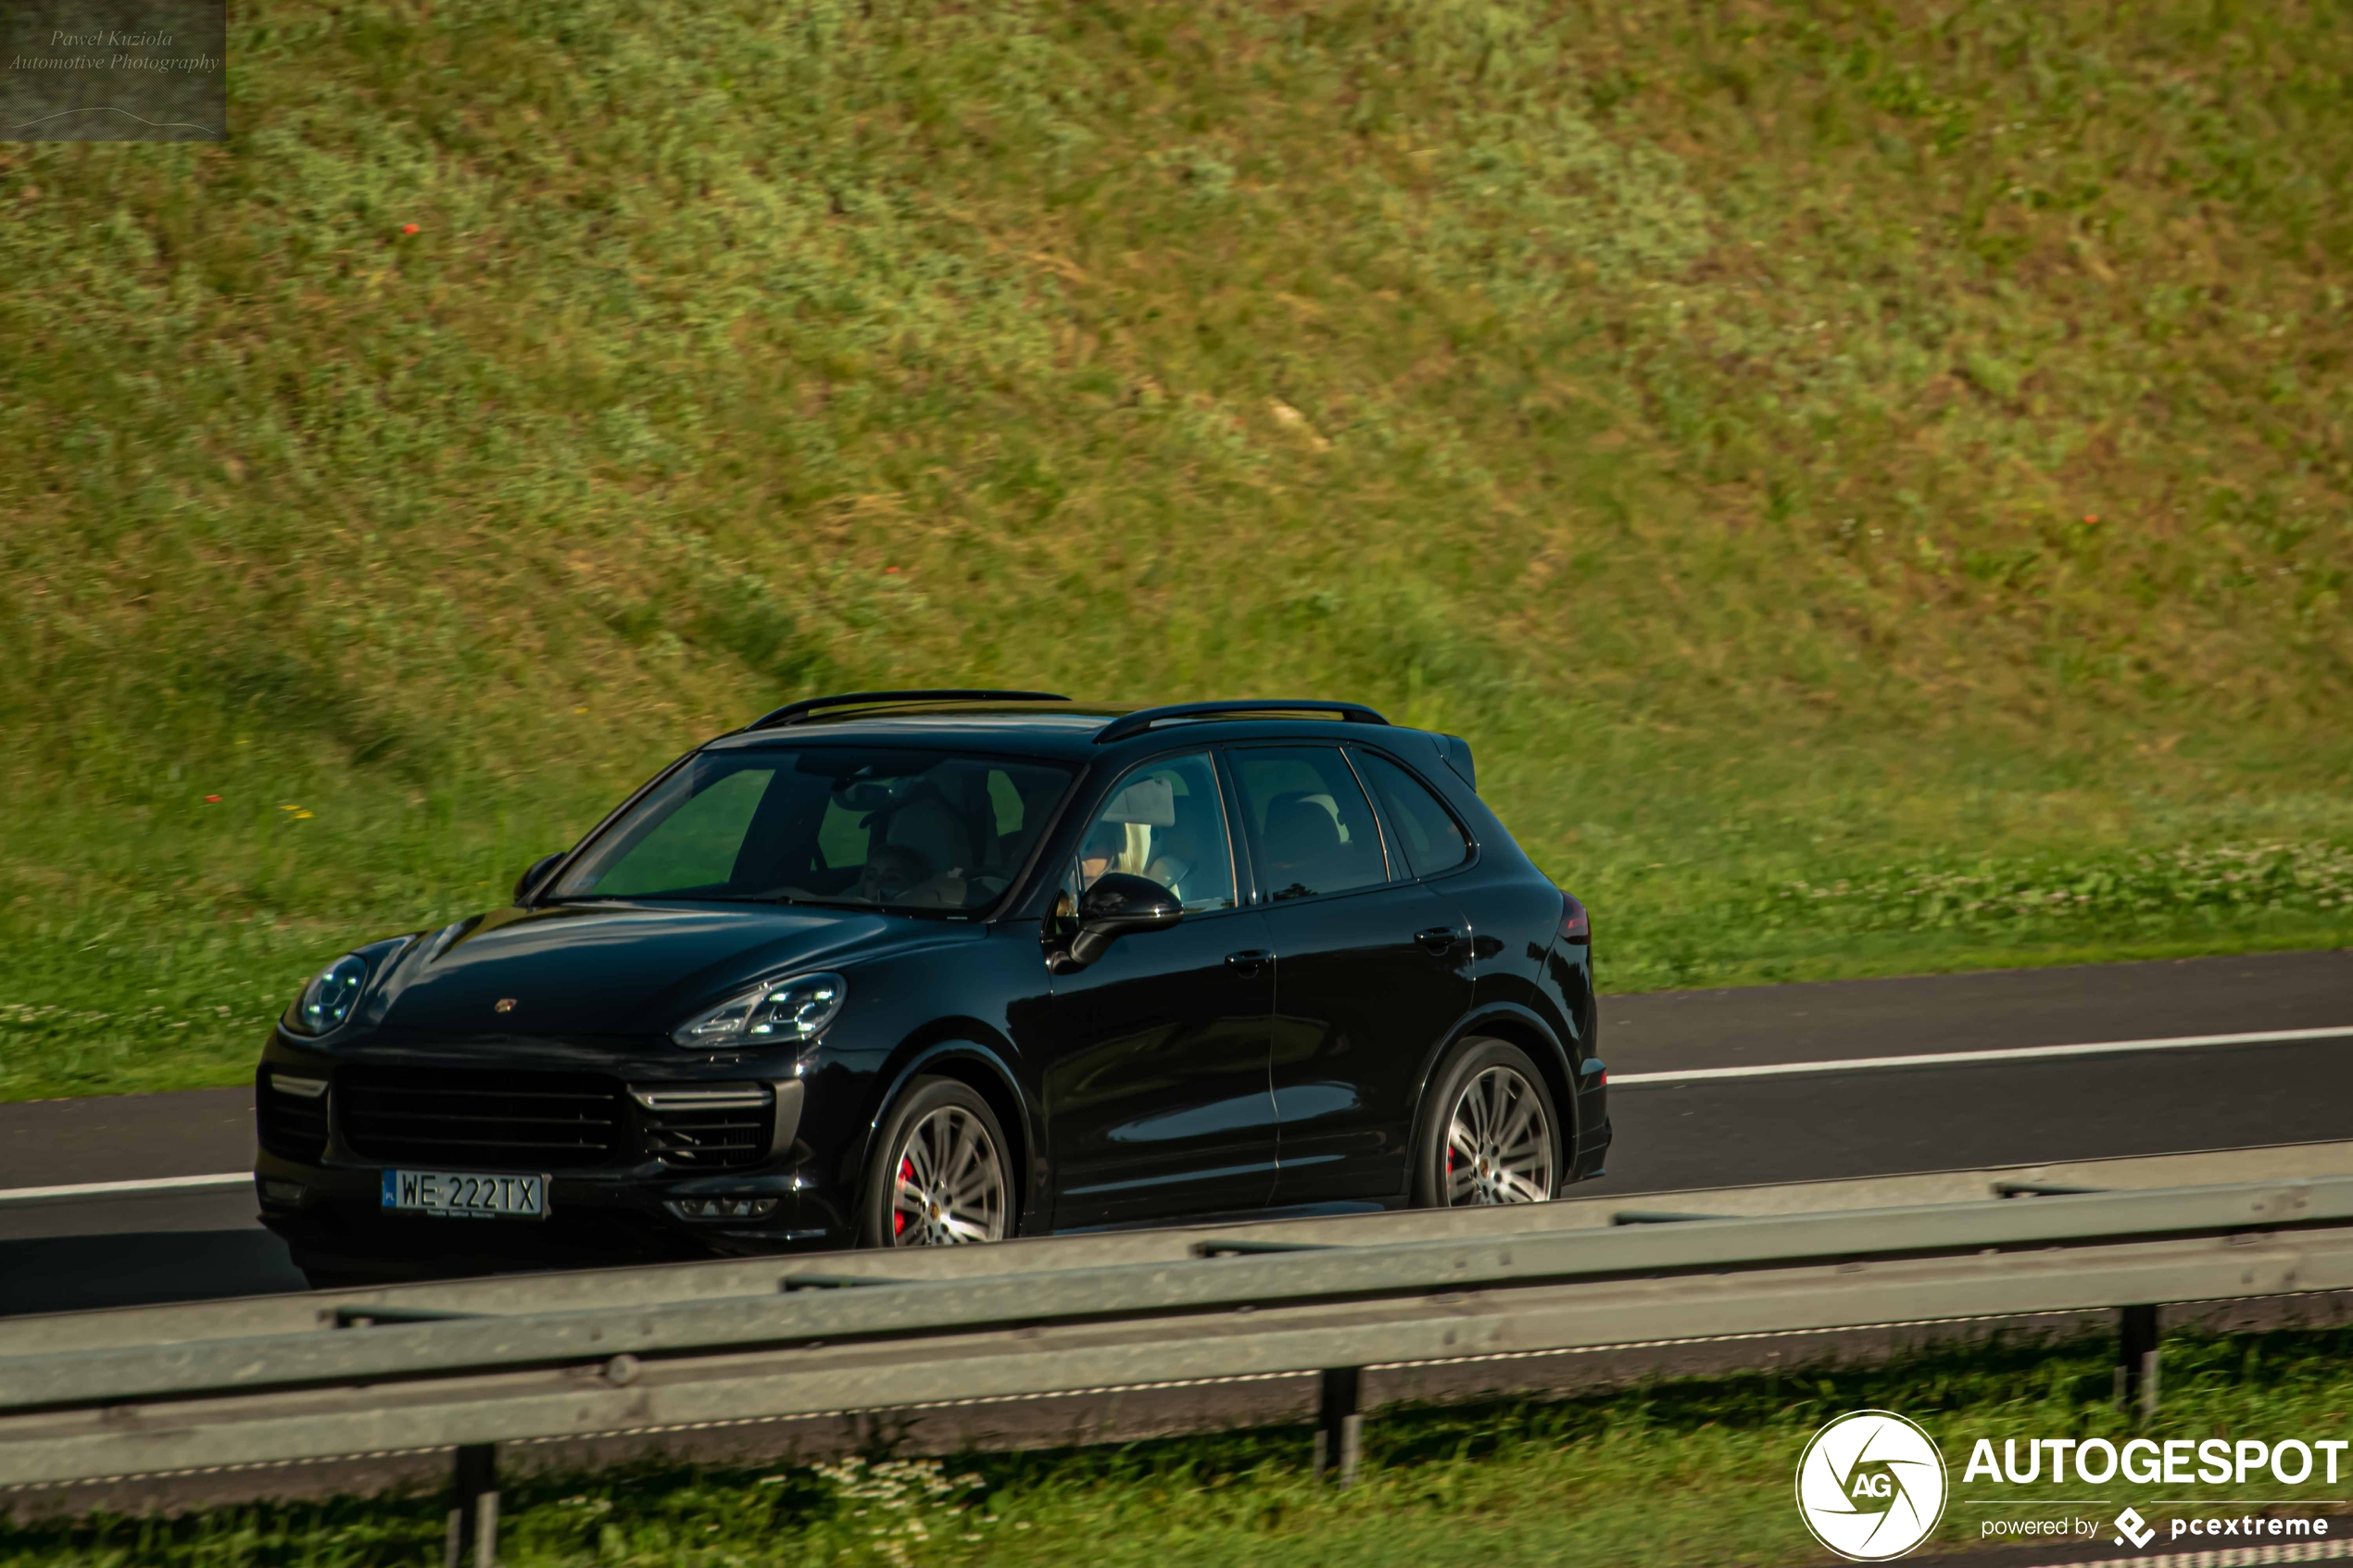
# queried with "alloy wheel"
point(1499, 1143)
point(950, 1185)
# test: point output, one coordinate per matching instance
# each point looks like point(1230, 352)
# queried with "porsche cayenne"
point(925, 967)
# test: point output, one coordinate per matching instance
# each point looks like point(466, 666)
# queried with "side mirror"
point(1120, 905)
point(528, 883)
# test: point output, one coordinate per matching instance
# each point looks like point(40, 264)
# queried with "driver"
point(923, 856)
point(1104, 847)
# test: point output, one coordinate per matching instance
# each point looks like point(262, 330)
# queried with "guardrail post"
point(1340, 1428)
point(2136, 1361)
point(473, 1511)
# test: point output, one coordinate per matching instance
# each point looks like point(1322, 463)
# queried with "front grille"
point(687, 1137)
point(289, 1126)
point(469, 1121)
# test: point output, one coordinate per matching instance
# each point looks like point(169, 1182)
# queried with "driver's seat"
point(930, 827)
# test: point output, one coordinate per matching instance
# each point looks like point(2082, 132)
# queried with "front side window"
point(1311, 828)
point(1432, 840)
point(855, 826)
point(1165, 821)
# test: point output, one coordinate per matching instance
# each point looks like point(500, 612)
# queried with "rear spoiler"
point(1457, 752)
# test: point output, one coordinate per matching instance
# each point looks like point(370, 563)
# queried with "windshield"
point(846, 825)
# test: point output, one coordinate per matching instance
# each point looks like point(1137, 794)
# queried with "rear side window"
point(1311, 828)
point(1432, 840)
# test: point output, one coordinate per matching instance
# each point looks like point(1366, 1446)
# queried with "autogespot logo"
point(1870, 1485)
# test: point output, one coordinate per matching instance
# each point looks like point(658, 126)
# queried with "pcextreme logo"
point(1870, 1485)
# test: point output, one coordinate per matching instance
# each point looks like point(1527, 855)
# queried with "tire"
point(1496, 1160)
point(940, 1174)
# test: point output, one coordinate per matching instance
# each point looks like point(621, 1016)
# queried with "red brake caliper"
point(899, 1215)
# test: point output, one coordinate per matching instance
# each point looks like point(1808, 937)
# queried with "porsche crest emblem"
point(504, 1004)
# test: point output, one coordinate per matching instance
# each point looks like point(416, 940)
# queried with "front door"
point(1371, 970)
point(1157, 1101)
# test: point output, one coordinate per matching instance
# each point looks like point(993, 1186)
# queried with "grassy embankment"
point(1872, 480)
point(1677, 1476)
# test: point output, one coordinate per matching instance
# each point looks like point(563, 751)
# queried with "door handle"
point(1438, 940)
point(1249, 961)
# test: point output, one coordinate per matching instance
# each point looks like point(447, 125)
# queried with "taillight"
point(1575, 927)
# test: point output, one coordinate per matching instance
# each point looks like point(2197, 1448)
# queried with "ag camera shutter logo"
point(1870, 1485)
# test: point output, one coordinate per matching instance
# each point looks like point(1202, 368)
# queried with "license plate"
point(455, 1194)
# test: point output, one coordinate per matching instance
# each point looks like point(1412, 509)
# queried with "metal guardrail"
point(410, 1381)
point(648, 1284)
point(450, 1345)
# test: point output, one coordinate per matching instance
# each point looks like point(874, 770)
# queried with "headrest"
point(1297, 826)
point(930, 828)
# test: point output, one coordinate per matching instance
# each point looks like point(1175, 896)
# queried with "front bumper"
point(662, 1181)
point(332, 1215)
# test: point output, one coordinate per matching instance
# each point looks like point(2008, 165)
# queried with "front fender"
point(928, 1053)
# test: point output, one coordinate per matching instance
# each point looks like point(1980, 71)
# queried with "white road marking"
point(1944, 1059)
point(1618, 1080)
point(151, 1184)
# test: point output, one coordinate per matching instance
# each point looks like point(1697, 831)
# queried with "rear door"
point(1157, 1101)
point(1371, 970)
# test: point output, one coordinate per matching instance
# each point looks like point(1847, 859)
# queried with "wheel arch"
point(1516, 1026)
point(971, 1054)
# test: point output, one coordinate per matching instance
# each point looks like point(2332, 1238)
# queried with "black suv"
point(920, 968)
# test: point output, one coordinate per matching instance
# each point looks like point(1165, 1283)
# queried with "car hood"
point(622, 969)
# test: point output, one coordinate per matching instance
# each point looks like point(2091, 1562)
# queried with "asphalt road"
point(70, 1252)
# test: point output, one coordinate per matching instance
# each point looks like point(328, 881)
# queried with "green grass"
point(1802, 444)
point(1679, 1474)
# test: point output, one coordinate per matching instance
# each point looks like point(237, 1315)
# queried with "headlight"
point(781, 1013)
point(327, 1001)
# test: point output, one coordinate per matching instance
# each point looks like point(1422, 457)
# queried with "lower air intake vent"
point(712, 1127)
point(480, 1121)
point(290, 1113)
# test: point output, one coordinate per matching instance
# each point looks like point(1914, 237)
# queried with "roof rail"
point(1143, 719)
point(794, 712)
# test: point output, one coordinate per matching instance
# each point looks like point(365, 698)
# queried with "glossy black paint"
point(1270, 1054)
point(1119, 905)
point(1155, 1086)
point(1353, 980)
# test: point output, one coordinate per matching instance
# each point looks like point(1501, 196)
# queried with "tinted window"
point(695, 844)
point(826, 825)
point(1311, 829)
point(1165, 821)
point(1432, 840)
